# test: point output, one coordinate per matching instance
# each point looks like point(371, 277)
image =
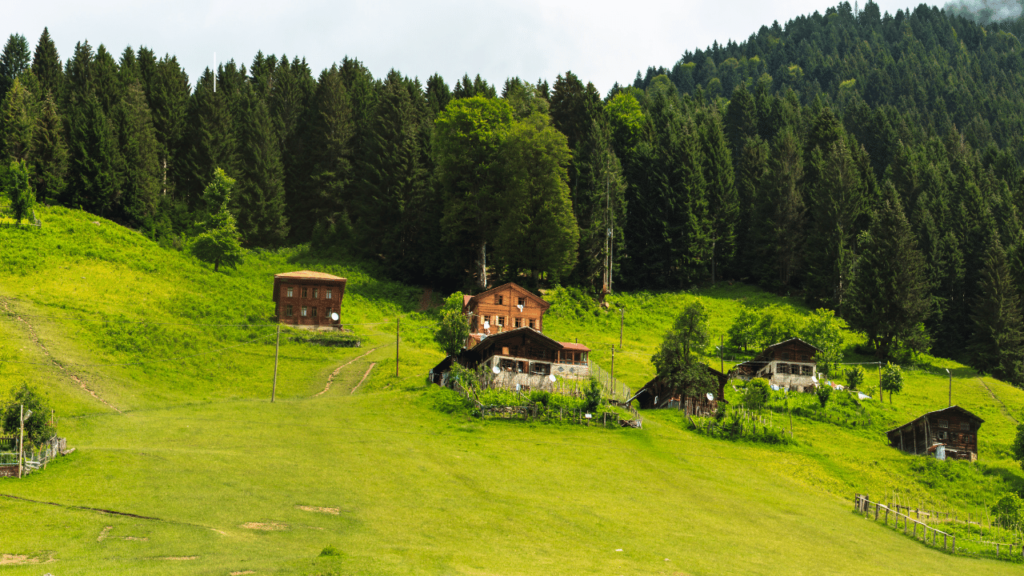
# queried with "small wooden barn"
point(658, 394)
point(791, 364)
point(953, 428)
point(308, 299)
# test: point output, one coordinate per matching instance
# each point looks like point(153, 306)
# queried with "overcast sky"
point(599, 40)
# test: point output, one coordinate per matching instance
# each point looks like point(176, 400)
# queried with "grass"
point(236, 483)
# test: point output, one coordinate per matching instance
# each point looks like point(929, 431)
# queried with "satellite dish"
point(711, 396)
point(520, 306)
point(814, 379)
point(28, 413)
point(496, 370)
point(334, 316)
point(487, 325)
point(551, 377)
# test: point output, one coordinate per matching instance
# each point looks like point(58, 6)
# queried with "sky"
point(601, 41)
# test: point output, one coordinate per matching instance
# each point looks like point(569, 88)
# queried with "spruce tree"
point(889, 298)
point(14, 60)
point(332, 131)
point(95, 166)
point(261, 202)
point(751, 177)
point(141, 182)
point(218, 240)
point(46, 66)
point(17, 123)
point(997, 344)
point(49, 155)
point(438, 94)
point(723, 202)
point(781, 210)
point(167, 91)
point(17, 186)
point(208, 140)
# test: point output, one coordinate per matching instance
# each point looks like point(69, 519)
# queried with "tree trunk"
point(483, 265)
point(216, 264)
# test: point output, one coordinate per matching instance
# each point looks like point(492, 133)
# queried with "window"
point(943, 423)
point(807, 370)
point(316, 292)
point(304, 293)
point(499, 300)
point(291, 293)
point(519, 322)
point(328, 293)
point(965, 426)
point(304, 311)
point(943, 435)
point(522, 301)
point(327, 312)
point(288, 310)
point(501, 320)
point(783, 369)
point(532, 323)
point(314, 311)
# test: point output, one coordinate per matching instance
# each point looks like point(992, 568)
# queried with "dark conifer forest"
point(869, 163)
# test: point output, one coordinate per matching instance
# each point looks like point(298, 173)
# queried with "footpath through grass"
point(174, 423)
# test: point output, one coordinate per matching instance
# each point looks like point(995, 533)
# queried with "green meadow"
point(160, 372)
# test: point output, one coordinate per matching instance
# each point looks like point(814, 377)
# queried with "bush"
point(855, 377)
point(592, 396)
point(1009, 511)
point(37, 426)
point(330, 551)
point(824, 393)
point(540, 397)
point(757, 394)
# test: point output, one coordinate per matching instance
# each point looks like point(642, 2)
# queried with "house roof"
point(722, 379)
point(465, 299)
point(574, 346)
point(526, 331)
point(789, 340)
point(515, 287)
point(964, 411)
point(308, 275)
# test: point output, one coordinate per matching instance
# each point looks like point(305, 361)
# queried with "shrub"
point(37, 426)
point(592, 396)
point(824, 393)
point(540, 397)
point(757, 394)
point(1009, 511)
point(855, 377)
point(330, 551)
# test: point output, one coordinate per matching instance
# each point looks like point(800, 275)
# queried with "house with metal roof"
point(950, 433)
point(308, 299)
point(790, 364)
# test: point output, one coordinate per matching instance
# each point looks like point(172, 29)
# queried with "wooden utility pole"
point(398, 341)
point(721, 353)
point(21, 440)
point(612, 383)
point(950, 387)
point(622, 322)
point(277, 353)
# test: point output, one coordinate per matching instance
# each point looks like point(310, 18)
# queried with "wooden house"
point(502, 308)
point(953, 428)
point(524, 357)
point(308, 299)
point(658, 394)
point(790, 364)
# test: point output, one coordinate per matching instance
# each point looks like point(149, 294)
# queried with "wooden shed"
point(658, 394)
point(308, 299)
point(953, 428)
point(791, 364)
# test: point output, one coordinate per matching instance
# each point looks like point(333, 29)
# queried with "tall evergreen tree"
point(261, 197)
point(723, 202)
point(325, 207)
point(46, 66)
point(95, 167)
point(141, 182)
point(889, 298)
point(997, 344)
point(438, 94)
point(49, 155)
point(14, 60)
point(17, 123)
point(167, 93)
point(781, 210)
point(208, 140)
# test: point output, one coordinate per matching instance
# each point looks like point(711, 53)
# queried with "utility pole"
point(950, 387)
point(277, 353)
point(398, 341)
point(721, 353)
point(612, 383)
point(622, 321)
point(21, 440)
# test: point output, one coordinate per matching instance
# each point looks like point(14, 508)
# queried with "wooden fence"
point(34, 458)
point(32, 222)
point(922, 530)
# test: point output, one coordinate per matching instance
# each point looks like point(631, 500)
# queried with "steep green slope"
point(230, 482)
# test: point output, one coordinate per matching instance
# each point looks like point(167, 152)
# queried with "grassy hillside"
point(174, 423)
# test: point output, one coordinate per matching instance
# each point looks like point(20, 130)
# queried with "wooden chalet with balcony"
point(951, 432)
point(502, 308)
point(308, 299)
point(790, 364)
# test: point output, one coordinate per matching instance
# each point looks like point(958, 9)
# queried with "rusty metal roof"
point(308, 275)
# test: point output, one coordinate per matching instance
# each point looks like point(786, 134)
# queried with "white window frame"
point(329, 291)
point(304, 312)
point(290, 292)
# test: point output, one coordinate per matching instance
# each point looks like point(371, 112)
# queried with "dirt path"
point(72, 375)
point(363, 379)
point(425, 299)
point(330, 378)
point(1001, 405)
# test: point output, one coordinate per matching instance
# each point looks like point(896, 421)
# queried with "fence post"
point(954, 544)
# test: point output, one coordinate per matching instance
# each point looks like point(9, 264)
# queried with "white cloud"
point(601, 41)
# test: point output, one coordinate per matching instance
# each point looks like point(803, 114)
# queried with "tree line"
point(869, 162)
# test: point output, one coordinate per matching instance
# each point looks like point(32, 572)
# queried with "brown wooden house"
point(308, 299)
point(522, 356)
point(502, 308)
point(953, 428)
point(791, 364)
point(658, 394)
